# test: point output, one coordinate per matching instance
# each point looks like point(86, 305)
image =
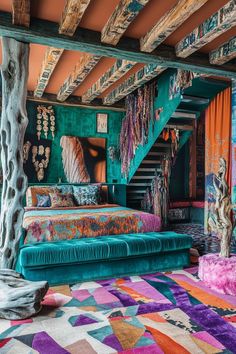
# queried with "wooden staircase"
point(153, 160)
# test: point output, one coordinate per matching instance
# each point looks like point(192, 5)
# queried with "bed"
point(81, 243)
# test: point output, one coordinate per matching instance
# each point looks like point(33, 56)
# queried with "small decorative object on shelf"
point(112, 153)
point(102, 123)
point(44, 117)
point(40, 164)
point(26, 149)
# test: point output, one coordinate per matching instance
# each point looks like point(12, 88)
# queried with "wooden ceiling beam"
point(136, 80)
point(214, 26)
point(169, 23)
point(50, 61)
point(119, 69)
point(81, 70)
point(72, 15)
point(224, 53)
point(124, 14)
point(21, 12)
point(46, 33)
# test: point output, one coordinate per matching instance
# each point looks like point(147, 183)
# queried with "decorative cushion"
point(65, 188)
point(32, 192)
point(59, 200)
point(43, 200)
point(87, 195)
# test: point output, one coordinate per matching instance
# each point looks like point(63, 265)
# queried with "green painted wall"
point(81, 122)
point(169, 106)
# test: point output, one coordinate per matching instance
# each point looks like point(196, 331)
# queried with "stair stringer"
point(162, 101)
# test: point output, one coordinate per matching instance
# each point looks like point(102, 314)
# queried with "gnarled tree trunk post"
point(14, 121)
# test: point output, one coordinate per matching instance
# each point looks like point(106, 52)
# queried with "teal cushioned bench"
point(70, 261)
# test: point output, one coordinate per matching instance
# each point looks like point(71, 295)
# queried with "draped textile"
point(218, 144)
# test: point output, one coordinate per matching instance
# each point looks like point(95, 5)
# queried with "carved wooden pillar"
point(14, 121)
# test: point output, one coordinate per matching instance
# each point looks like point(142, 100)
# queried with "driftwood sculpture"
point(19, 298)
point(219, 220)
point(14, 121)
point(73, 160)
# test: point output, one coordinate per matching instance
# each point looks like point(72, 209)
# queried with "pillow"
point(87, 195)
point(43, 200)
point(32, 192)
point(59, 200)
point(65, 188)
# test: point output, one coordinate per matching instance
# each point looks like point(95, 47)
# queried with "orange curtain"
point(218, 133)
point(218, 144)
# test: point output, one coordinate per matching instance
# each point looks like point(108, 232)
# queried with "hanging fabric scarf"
point(137, 123)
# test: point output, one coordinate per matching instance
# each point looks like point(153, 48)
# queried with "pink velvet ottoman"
point(218, 273)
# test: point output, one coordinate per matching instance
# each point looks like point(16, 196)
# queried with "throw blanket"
point(58, 224)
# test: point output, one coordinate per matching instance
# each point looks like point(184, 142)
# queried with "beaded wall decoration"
point(40, 160)
point(26, 149)
point(46, 121)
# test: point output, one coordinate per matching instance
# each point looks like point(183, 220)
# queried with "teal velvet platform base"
point(67, 262)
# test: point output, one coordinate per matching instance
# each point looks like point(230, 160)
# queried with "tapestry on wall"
point(218, 144)
point(36, 157)
point(84, 159)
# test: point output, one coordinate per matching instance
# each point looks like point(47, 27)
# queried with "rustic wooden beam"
point(21, 12)
point(224, 53)
point(14, 120)
point(169, 23)
point(50, 61)
point(72, 14)
point(119, 69)
point(214, 26)
point(128, 49)
point(121, 18)
point(81, 70)
point(136, 80)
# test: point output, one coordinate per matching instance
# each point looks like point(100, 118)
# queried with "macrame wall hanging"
point(137, 123)
point(46, 121)
point(40, 160)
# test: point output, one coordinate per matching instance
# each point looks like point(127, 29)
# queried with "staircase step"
point(142, 177)
point(187, 127)
point(131, 192)
point(151, 162)
point(157, 153)
point(149, 169)
point(136, 197)
point(143, 184)
point(162, 145)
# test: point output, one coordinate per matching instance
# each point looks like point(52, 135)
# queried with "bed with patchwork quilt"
point(65, 243)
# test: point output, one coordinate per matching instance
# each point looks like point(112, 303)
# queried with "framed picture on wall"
point(102, 123)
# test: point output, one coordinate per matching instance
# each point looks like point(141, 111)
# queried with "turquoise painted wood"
point(89, 41)
point(81, 122)
point(169, 107)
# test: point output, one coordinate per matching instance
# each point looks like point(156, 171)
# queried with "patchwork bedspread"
point(63, 224)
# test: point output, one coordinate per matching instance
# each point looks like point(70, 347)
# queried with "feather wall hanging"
point(73, 160)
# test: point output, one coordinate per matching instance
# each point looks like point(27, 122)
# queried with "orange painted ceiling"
point(95, 17)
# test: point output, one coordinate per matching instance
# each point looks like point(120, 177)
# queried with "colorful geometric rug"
point(171, 313)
